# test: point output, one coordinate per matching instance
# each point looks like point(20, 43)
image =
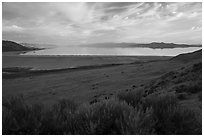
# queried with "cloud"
point(74, 23)
point(12, 28)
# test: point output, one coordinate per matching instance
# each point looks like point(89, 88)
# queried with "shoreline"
point(62, 62)
point(26, 72)
point(24, 53)
point(20, 53)
point(17, 72)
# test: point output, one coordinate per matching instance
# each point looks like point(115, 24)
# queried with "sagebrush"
point(130, 113)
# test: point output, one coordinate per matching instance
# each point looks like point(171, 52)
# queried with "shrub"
point(114, 117)
point(190, 88)
point(103, 116)
point(138, 123)
point(200, 96)
point(170, 117)
point(19, 118)
point(195, 88)
point(132, 98)
point(59, 119)
point(158, 114)
point(185, 122)
point(182, 96)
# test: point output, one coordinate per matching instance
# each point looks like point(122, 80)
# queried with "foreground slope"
point(155, 97)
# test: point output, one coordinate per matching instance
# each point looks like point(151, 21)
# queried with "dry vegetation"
point(127, 114)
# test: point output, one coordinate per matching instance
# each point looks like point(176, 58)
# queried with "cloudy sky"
point(83, 23)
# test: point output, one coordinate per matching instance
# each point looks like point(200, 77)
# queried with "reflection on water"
point(113, 51)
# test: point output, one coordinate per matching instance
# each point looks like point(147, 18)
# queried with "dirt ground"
point(86, 85)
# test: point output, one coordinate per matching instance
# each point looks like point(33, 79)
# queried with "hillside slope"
point(189, 75)
point(189, 57)
point(13, 46)
point(185, 81)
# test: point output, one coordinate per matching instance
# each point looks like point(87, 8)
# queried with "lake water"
point(124, 55)
point(113, 51)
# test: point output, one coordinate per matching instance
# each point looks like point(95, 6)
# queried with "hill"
point(197, 55)
point(13, 46)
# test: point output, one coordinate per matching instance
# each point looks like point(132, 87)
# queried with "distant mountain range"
point(13, 46)
point(159, 45)
point(164, 45)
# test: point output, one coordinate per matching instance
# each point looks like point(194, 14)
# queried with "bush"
point(189, 88)
point(157, 114)
point(21, 118)
point(113, 117)
point(185, 122)
point(195, 88)
point(200, 96)
point(103, 116)
point(107, 117)
point(171, 118)
point(182, 96)
point(59, 119)
point(138, 123)
point(132, 98)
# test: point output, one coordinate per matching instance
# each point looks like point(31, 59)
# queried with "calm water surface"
point(37, 61)
point(113, 51)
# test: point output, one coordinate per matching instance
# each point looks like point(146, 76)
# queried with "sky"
point(84, 23)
